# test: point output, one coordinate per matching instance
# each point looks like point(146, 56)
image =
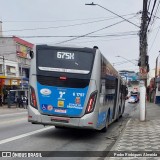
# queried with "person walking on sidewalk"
point(24, 99)
point(16, 101)
point(20, 102)
point(0, 100)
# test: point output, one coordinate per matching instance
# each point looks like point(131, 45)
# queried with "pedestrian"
point(24, 99)
point(0, 100)
point(16, 101)
point(20, 102)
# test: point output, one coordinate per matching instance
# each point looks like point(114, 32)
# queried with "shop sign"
point(22, 51)
point(14, 82)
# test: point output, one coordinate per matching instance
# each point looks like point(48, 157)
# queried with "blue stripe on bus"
point(101, 118)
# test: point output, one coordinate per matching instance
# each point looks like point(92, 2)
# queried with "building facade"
point(157, 81)
point(14, 64)
point(132, 80)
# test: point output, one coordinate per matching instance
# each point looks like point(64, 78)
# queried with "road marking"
point(12, 121)
point(24, 135)
point(12, 114)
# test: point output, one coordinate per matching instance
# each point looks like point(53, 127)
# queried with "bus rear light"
point(33, 100)
point(62, 78)
point(90, 122)
point(29, 117)
point(91, 102)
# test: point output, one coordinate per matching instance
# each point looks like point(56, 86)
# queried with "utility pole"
point(143, 60)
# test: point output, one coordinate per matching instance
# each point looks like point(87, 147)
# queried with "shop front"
point(157, 96)
point(9, 84)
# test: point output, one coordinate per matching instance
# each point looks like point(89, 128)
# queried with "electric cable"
point(69, 20)
point(84, 35)
point(55, 27)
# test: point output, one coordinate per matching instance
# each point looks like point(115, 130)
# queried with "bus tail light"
point(91, 102)
point(63, 78)
point(33, 100)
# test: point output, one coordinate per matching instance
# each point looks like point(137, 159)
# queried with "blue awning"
point(26, 79)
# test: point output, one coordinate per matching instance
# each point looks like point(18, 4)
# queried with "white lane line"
point(24, 135)
point(12, 114)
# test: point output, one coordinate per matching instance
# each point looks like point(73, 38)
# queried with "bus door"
point(111, 92)
point(115, 88)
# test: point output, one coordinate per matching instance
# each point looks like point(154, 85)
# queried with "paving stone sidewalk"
point(13, 109)
point(140, 136)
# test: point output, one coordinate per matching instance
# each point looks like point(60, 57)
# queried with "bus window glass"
point(65, 61)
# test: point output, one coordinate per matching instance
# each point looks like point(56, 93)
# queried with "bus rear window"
point(64, 61)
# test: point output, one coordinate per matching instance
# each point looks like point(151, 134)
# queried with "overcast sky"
point(35, 18)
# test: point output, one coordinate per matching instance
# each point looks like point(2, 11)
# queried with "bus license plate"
point(60, 111)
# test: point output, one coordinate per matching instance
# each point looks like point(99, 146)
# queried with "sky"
point(62, 21)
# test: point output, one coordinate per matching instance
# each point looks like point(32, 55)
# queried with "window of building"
point(1, 68)
point(11, 70)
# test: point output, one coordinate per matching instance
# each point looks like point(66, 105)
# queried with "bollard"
point(142, 108)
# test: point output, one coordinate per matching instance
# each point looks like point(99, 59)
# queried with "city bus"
point(74, 87)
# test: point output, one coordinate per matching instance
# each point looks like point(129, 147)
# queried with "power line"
point(154, 39)
point(69, 20)
point(154, 16)
point(63, 26)
point(149, 4)
point(55, 27)
point(93, 36)
point(90, 32)
point(151, 13)
point(118, 34)
point(123, 62)
point(104, 40)
point(99, 40)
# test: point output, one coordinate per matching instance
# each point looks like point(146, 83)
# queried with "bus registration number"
point(65, 55)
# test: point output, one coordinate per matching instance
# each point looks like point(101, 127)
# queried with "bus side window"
point(103, 87)
point(103, 92)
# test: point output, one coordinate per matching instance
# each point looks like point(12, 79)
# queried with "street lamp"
point(93, 4)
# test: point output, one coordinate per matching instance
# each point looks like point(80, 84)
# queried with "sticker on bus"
point(60, 103)
point(60, 111)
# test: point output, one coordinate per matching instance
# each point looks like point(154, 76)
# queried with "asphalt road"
point(16, 134)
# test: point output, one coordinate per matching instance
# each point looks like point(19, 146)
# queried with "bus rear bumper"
point(88, 121)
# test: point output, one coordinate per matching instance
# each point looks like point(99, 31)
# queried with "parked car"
point(133, 99)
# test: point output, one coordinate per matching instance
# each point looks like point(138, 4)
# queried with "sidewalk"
point(5, 110)
point(140, 136)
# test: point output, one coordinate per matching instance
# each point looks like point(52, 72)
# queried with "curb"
point(117, 141)
point(114, 146)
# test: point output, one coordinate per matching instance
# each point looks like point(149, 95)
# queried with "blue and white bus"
point(74, 87)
